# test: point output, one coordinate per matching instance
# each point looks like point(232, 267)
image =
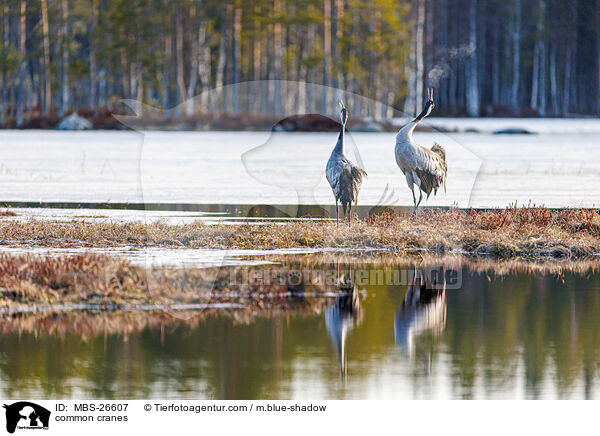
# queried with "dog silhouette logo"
point(26, 415)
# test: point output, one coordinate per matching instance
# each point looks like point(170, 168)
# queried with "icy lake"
point(557, 165)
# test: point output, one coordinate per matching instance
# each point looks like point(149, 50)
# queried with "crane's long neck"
point(408, 130)
point(339, 147)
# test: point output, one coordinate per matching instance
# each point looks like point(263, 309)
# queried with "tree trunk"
point(47, 106)
point(64, 32)
point(553, 82)
point(598, 58)
point(535, 77)
point(566, 103)
point(236, 42)
point(542, 75)
point(256, 49)
point(278, 57)
point(496, 64)
point(166, 76)
point(181, 91)
point(204, 66)
point(372, 88)
point(419, 56)
point(414, 98)
point(410, 70)
point(542, 60)
point(339, 35)
point(326, 53)
point(472, 73)
point(5, 37)
point(222, 56)
point(93, 67)
point(22, 38)
point(194, 65)
point(516, 52)
point(538, 73)
point(334, 45)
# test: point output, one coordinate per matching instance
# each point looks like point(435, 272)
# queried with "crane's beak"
point(430, 94)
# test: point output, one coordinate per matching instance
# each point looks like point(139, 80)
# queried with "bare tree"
point(194, 63)
point(472, 71)
point(47, 100)
point(538, 72)
point(236, 42)
point(181, 91)
point(93, 65)
point(5, 36)
point(204, 63)
point(64, 32)
point(413, 103)
point(22, 39)
point(326, 52)
point(598, 57)
point(516, 54)
point(222, 53)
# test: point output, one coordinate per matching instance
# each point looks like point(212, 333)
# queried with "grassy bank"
point(503, 233)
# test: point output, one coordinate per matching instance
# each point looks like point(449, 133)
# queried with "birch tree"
point(473, 76)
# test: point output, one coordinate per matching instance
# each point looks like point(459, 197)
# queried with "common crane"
point(426, 168)
point(343, 176)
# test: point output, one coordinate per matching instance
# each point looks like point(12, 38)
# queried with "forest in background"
point(484, 57)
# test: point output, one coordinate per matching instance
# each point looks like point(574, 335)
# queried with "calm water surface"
point(556, 167)
point(510, 336)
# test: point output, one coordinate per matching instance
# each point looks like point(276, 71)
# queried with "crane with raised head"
point(423, 167)
point(343, 176)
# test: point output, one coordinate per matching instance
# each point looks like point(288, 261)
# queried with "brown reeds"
point(503, 233)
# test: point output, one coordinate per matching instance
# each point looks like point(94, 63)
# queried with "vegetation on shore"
point(503, 233)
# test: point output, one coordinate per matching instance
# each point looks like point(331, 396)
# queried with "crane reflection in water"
point(343, 315)
point(423, 309)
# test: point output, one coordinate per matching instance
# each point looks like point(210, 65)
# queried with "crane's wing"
point(334, 169)
point(342, 174)
point(430, 169)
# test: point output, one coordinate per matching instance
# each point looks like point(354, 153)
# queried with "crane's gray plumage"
point(343, 176)
point(425, 168)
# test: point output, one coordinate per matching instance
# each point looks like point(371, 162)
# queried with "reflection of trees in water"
point(423, 310)
point(539, 327)
point(342, 316)
point(535, 328)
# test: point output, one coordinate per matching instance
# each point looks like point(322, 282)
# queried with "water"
point(480, 335)
point(556, 167)
point(519, 334)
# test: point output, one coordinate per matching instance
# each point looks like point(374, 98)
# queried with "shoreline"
point(501, 233)
point(43, 286)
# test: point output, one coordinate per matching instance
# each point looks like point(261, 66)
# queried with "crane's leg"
point(412, 188)
point(337, 221)
point(420, 197)
point(350, 214)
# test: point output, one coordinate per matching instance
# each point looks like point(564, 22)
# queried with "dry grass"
point(503, 233)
